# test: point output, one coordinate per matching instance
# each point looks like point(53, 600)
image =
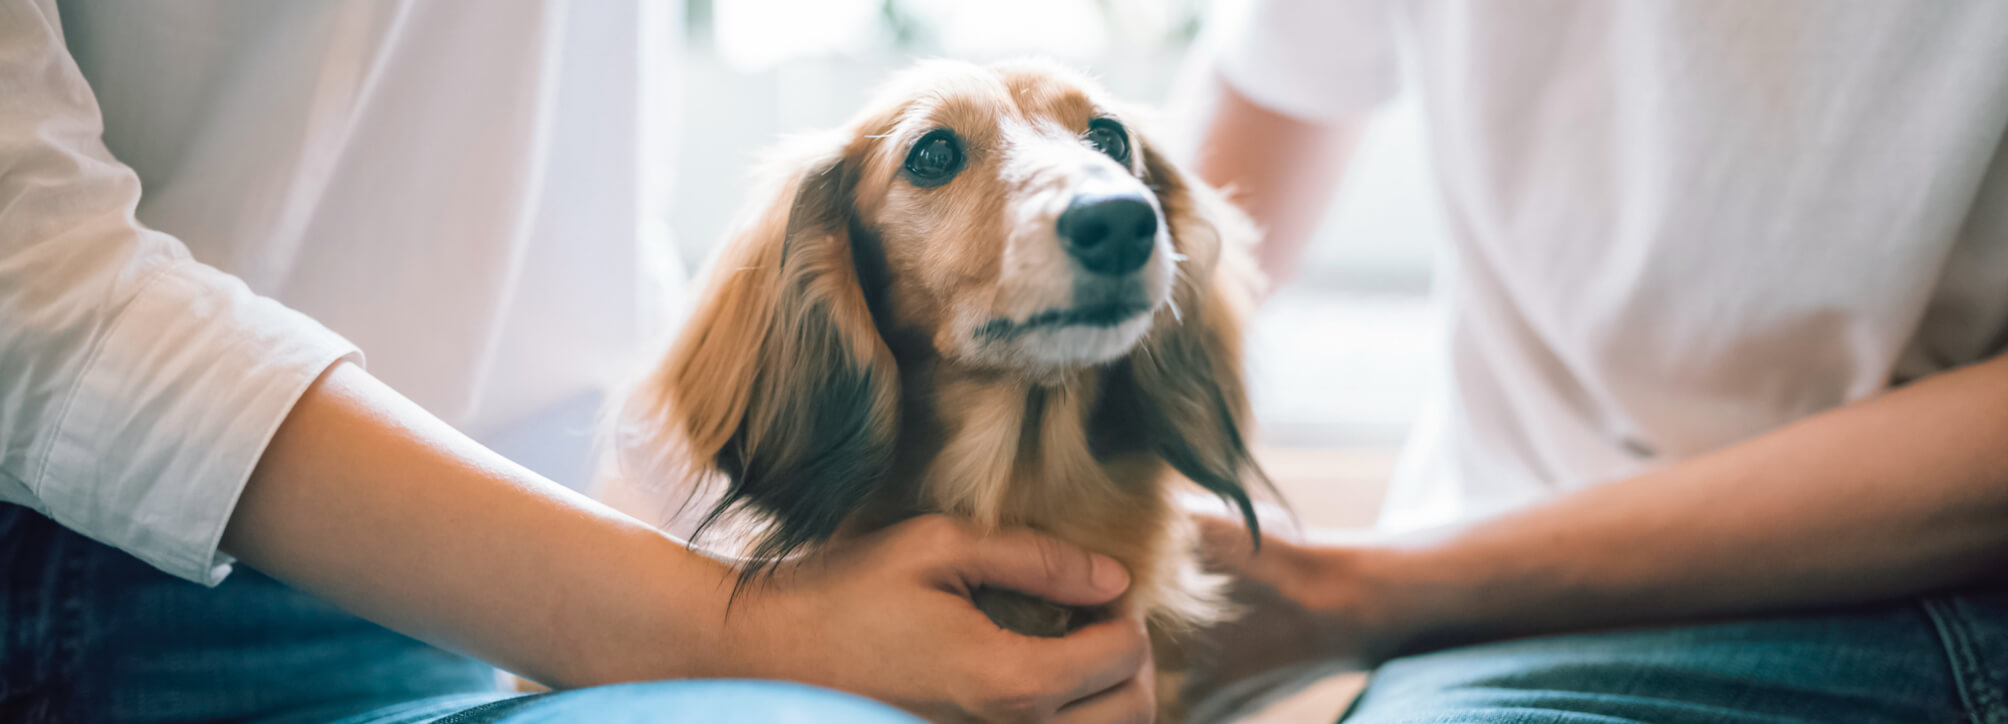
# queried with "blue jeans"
point(1925, 661)
point(90, 634)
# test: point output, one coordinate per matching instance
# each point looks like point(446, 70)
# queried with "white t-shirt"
point(194, 194)
point(1674, 225)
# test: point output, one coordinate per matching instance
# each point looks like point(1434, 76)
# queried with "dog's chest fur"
point(1004, 453)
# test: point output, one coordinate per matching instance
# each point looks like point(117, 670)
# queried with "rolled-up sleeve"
point(138, 387)
point(1315, 60)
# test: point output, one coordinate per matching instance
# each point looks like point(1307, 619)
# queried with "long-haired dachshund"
point(987, 296)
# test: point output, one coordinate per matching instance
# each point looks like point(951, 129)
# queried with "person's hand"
point(889, 616)
point(1304, 612)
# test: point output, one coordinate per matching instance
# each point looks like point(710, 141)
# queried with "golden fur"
point(837, 377)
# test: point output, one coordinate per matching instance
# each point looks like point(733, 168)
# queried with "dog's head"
point(1007, 219)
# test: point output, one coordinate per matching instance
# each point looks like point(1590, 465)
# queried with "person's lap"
point(1934, 660)
point(91, 634)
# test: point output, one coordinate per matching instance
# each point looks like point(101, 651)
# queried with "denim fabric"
point(1929, 661)
point(90, 634)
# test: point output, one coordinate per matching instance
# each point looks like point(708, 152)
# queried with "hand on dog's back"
point(889, 616)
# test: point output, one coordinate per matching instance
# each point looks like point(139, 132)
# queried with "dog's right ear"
point(779, 382)
point(1184, 384)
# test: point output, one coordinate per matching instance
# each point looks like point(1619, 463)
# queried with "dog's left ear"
point(1187, 376)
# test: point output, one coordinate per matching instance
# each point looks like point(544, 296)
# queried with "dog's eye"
point(934, 159)
point(1108, 137)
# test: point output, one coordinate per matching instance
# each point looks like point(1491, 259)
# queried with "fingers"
point(1134, 700)
point(1092, 670)
point(1031, 563)
point(1038, 679)
point(1096, 658)
point(1225, 545)
point(1223, 542)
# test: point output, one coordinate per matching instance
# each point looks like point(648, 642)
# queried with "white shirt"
point(1674, 225)
point(204, 204)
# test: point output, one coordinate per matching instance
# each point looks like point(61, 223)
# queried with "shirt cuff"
point(172, 412)
point(1314, 60)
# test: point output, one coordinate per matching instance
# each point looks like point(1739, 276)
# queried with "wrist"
point(734, 638)
point(1383, 600)
point(767, 628)
point(670, 622)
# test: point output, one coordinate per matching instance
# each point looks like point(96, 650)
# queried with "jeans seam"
point(1981, 698)
point(1987, 674)
point(67, 631)
point(487, 711)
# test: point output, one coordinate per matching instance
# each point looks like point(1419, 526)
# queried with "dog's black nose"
point(1109, 234)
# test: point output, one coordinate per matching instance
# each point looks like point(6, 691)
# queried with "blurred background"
point(1335, 356)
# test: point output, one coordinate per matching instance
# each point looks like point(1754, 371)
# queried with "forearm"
point(367, 500)
point(1281, 170)
point(1900, 495)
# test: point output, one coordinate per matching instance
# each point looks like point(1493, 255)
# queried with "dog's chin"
point(1082, 345)
point(1050, 346)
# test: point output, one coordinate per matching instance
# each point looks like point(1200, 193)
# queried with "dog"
point(989, 296)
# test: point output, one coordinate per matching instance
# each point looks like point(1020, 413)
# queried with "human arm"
point(1287, 89)
point(1899, 495)
point(367, 500)
point(1280, 169)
